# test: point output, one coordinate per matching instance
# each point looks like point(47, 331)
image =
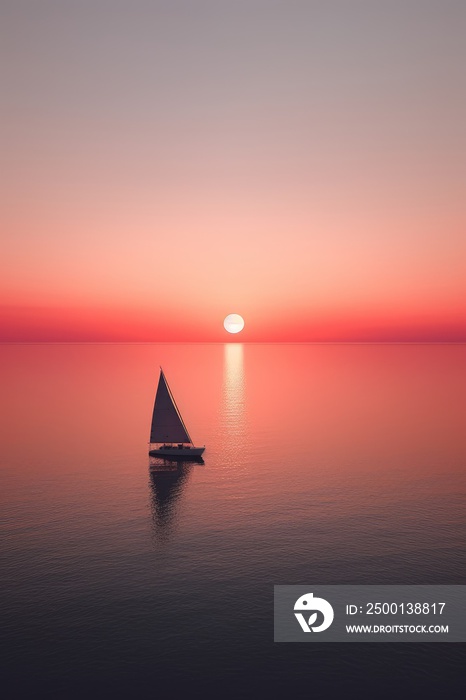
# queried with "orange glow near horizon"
point(42, 324)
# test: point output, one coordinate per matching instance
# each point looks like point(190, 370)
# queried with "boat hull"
point(177, 452)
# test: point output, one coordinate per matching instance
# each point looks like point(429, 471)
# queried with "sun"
point(234, 323)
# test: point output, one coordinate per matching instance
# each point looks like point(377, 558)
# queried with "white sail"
point(167, 423)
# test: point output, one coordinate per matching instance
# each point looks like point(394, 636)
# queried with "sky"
point(299, 162)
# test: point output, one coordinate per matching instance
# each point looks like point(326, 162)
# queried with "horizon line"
point(226, 342)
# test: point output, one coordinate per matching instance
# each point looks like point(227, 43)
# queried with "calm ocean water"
point(324, 464)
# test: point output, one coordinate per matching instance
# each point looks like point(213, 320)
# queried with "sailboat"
point(168, 431)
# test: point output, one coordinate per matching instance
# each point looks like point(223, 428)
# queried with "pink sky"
point(301, 164)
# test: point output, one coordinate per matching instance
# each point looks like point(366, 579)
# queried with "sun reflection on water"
point(233, 414)
point(233, 389)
